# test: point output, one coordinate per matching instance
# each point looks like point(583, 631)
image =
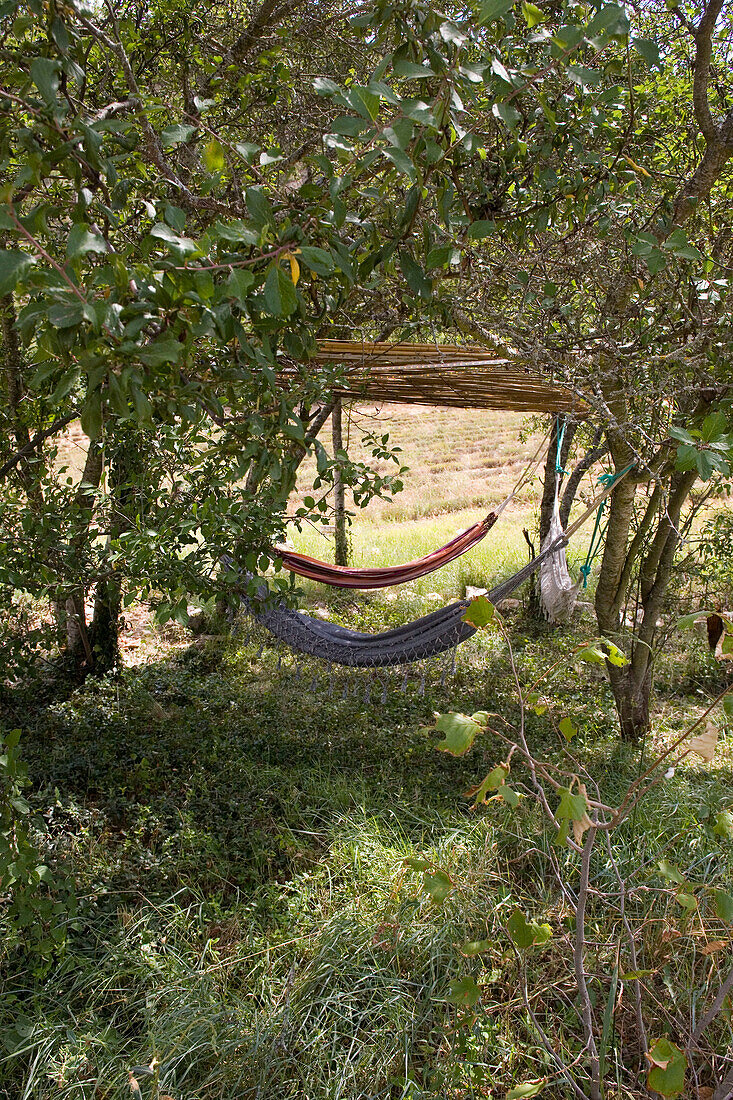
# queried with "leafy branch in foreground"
point(585, 845)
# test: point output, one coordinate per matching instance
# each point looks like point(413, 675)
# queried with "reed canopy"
point(444, 374)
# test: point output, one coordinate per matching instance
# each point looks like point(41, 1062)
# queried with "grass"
point(236, 828)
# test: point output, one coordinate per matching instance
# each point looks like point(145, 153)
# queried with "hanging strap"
point(560, 432)
point(596, 539)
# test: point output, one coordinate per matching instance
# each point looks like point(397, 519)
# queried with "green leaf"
point(489, 10)
point(401, 161)
point(529, 1088)
point(437, 884)
point(477, 231)
point(567, 728)
point(649, 50)
point(668, 1065)
point(415, 277)
point(713, 426)
point(166, 349)
point(439, 257)
point(678, 244)
point(364, 102)
point(417, 864)
point(175, 134)
point(260, 210)
point(317, 259)
point(214, 160)
point(408, 70)
point(399, 133)
point(91, 417)
point(592, 654)
point(83, 240)
point(163, 232)
point(143, 408)
point(534, 700)
point(13, 266)
point(239, 284)
point(687, 901)
point(611, 18)
point(323, 86)
point(526, 933)
point(584, 77)
point(728, 706)
point(614, 655)
point(509, 115)
point(573, 807)
point(459, 732)
point(463, 991)
point(480, 612)
point(532, 14)
point(66, 314)
point(724, 905)
point(656, 261)
point(510, 797)
point(236, 231)
point(494, 781)
point(280, 295)
point(670, 871)
point(476, 947)
point(45, 76)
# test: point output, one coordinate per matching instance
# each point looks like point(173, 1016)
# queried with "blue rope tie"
point(596, 539)
point(560, 429)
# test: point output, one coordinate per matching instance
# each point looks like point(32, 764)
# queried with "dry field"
point(458, 459)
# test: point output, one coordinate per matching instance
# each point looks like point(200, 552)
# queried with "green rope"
point(560, 430)
point(596, 540)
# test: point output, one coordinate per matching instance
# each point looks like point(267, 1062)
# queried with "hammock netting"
point(428, 636)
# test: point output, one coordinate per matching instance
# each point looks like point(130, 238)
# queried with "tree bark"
point(547, 503)
point(341, 543)
point(71, 607)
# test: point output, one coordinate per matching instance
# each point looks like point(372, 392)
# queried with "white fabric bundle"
point(558, 592)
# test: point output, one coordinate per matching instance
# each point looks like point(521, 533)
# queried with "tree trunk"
point(632, 691)
point(341, 547)
point(71, 612)
point(547, 503)
point(105, 629)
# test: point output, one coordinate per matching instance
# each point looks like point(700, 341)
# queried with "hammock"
point(425, 637)
point(343, 576)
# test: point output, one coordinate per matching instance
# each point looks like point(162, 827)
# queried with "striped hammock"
point(343, 576)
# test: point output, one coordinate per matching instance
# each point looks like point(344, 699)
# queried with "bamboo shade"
point(443, 374)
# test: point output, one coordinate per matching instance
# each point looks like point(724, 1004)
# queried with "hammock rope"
point(365, 579)
point(558, 591)
point(596, 539)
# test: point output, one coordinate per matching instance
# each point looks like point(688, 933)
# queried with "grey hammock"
point(425, 637)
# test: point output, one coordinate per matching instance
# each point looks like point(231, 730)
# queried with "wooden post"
point(341, 547)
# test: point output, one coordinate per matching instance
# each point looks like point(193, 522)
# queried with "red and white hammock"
point(344, 576)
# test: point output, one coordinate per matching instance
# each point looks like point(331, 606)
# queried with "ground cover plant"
point(282, 889)
point(228, 872)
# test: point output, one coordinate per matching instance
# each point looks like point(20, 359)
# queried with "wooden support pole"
point(341, 544)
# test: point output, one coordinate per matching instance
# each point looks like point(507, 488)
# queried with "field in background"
point(458, 459)
point(462, 462)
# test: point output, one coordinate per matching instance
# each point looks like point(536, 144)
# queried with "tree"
point(189, 203)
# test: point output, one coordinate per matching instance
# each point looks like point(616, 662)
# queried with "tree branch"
point(703, 54)
point(36, 442)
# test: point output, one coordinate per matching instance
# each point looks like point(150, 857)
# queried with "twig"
point(579, 962)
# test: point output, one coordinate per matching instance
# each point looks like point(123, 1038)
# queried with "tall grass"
point(248, 926)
